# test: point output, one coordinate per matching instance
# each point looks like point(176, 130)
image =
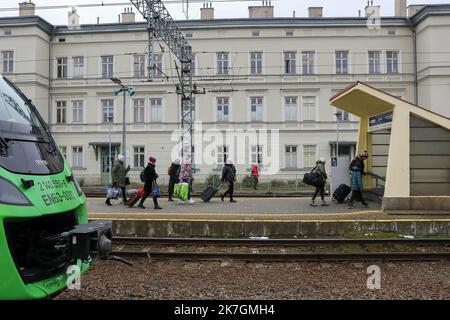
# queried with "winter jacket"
point(186, 173)
point(320, 168)
point(150, 176)
point(255, 171)
point(174, 171)
point(228, 173)
point(119, 173)
point(357, 165)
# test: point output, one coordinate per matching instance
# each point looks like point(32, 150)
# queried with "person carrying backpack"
point(229, 176)
point(357, 171)
point(174, 173)
point(149, 175)
point(320, 189)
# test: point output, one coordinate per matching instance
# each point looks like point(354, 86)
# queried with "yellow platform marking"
point(239, 214)
point(272, 221)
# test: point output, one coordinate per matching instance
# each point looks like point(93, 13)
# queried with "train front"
point(45, 237)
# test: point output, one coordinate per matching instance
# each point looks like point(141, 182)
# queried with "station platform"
point(270, 217)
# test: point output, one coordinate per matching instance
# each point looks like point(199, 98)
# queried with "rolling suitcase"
point(132, 201)
point(341, 193)
point(209, 192)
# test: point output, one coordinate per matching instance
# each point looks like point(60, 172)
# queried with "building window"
point(61, 112)
point(341, 62)
point(309, 108)
point(139, 66)
point(291, 157)
point(308, 62)
point(290, 107)
point(374, 62)
point(256, 33)
point(193, 107)
point(158, 66)
point(289, 33)
point(156, 109)
point(290, 62)
point(78, 67)
point(77, 157)
point(139, 156)
point(256, 108)
point(222, 63)
point(189, 35)
point(193, 65)
point(139, 110)
point(8, 61)
point(256, 62)
point(222, 155)
point(108, 110)
point(392, 62)
point(107, 66)
point(309, 156)
point(342, 115)
point(223, 109)
point(256, 154)
point(61, 68)
point(77, 111)
point(63, 150)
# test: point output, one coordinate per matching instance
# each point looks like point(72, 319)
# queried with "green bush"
point(213, 180)
point(247, 182)
point(278, 183)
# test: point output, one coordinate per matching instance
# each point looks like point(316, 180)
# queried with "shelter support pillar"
point(365, 143)
point(397, 188)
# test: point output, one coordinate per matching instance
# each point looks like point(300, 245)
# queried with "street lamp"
point(124, 89)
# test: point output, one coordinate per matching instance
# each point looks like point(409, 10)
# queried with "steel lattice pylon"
point(161, 23)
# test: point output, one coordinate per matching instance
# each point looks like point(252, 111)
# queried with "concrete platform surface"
point(248, 209)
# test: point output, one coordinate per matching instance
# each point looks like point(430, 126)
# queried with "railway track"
point(143, 247)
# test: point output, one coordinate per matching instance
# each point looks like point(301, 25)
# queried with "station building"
point(262, 72)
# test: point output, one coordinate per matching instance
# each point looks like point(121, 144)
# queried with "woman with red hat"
point(150, 177)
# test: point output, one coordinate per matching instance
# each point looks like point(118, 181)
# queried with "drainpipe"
point(416, 81)
point(50, 74)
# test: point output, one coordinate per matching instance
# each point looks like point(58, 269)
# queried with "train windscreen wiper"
point(3, 147)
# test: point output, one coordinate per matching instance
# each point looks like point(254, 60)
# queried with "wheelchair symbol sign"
point(334, 162)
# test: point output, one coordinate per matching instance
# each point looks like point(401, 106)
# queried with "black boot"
point(108, 202)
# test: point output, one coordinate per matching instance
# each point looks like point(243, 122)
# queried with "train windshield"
point(26, 146)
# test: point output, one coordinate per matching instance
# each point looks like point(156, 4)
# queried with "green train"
point(45, 237)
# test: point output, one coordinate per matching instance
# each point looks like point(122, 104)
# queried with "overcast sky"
point(283, 8)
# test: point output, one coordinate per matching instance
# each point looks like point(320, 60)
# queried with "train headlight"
point(10, 194)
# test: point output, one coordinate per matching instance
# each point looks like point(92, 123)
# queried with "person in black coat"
point(150, 178)
point(229, 176)
point(174, 176)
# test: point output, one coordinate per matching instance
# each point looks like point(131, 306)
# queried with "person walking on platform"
point(255, 176)
point(229, 176)
point(357, 171)
point(320, 190)
point(187, 177)
point(174, 176)
point(119, 176)
point(150, 176)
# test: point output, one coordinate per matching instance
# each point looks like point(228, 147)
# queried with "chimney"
point(372, 10)
point(413, 9)
point(128, 16)
point(27, 9)
point(207, 12)
point(73, 21)
point(263, 11)
point(315, 12)
point(400, 8)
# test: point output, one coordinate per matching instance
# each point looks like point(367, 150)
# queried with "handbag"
point(313, 178)
point(156, 191)
point(127, 181)
point(181, 191)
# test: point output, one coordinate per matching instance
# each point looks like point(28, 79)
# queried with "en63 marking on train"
point(55, 191)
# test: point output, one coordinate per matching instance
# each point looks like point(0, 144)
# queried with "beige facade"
point(289, 68)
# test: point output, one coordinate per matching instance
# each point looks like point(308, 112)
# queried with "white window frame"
point(139, 118)
point(287, 57)
point(341, 59)
point(78, 64)
point(389, 61)
point(345, 116)
point(156, 110)
point(139, 154)
point(80, 159)
point(223, 102)
point(107, 66)
point(159, 66)
point(291, 157)
point(288, 104)
point(258, 115)
point(61, 108)
point(223, 62)
point(316, 107)
point(311, 63)
point(139, 65)
point(62, 64)
point(374, 61)
point(256, 62)
point(8, 61)
point(223, 153)
point(77, 110)
point(256, 154)
point(313, 156)
point(109, 110)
